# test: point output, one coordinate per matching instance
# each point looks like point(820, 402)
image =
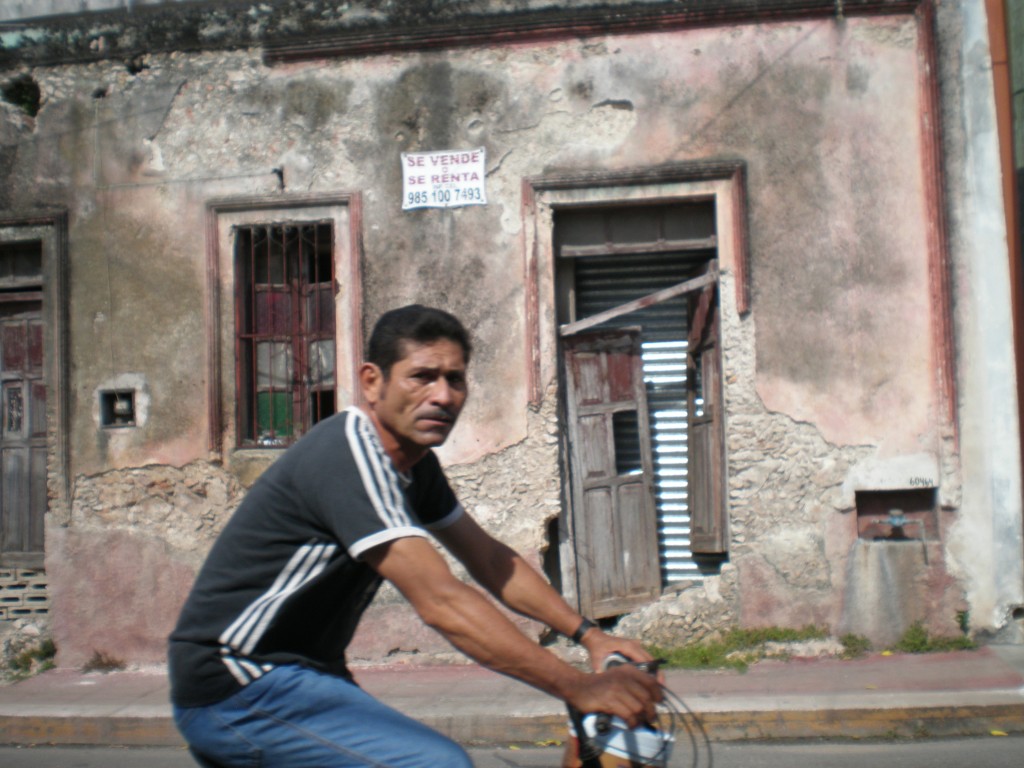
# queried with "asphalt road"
point(987, 752)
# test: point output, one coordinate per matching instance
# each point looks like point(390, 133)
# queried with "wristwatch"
point(581, 630)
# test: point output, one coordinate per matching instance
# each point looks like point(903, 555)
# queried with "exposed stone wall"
point(185, 507)
point(517, 491)
point(121, 569)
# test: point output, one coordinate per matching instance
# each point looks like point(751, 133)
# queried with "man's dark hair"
point(417, 324)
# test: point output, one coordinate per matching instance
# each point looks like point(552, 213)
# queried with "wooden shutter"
point(708, 519)
point(613, 509)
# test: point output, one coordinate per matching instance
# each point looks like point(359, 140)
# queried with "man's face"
point(418, 404)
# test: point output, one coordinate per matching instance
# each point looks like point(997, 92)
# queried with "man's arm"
point(505, 574)
point(476, 627)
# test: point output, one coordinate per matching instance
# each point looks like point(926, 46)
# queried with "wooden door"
point(708, 519)
point(614, 520)
point(22, 432)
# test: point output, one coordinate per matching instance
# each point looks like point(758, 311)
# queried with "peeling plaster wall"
point(120, 570)
point(830, 380)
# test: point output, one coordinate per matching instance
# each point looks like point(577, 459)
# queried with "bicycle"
point(598, 740)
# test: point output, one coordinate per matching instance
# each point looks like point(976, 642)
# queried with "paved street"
point(988, 752)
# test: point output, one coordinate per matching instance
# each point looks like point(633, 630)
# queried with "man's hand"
point(601, 645)
point(625, 692)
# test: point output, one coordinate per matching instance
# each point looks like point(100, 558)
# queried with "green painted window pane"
point(273, 415)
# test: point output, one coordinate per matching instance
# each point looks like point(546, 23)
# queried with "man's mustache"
point(438, 414)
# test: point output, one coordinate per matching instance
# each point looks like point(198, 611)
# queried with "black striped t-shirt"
point(284, 583)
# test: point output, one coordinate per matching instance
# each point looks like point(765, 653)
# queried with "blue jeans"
point(298, 717)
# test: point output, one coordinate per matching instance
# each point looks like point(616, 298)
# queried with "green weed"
point(963, 620)
point(917, 640)
point(854, 646)
point(101, 662)
point(736, 649)
point(32, 660)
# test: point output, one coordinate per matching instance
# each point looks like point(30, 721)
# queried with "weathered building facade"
point(737, 273)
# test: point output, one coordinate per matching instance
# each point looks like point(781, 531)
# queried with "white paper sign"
point(446, 179)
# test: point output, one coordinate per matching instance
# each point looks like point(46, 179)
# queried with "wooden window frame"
point(724, 181)
point(344, 212)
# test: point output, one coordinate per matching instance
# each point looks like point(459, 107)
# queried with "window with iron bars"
point(285, 330)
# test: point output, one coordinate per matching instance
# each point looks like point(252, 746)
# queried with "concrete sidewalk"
point(961, 693)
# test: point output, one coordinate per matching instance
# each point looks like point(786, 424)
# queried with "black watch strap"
point(581, 630)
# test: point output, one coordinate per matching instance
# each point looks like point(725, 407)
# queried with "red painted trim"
point(530, 276)
point(938, 239)
point(355, 277)
point(213, 378)
point(741, 238)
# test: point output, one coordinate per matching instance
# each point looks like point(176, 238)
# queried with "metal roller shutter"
point(604, 282)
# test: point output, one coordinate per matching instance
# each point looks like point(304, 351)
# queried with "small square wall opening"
point(898, 514)
point(117, 408)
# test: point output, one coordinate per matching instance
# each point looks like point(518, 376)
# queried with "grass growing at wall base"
point(32, 660)
point(739, 648)
point(917, 640)
point(736, 649)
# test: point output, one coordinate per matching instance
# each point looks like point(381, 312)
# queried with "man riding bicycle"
point(257, 660)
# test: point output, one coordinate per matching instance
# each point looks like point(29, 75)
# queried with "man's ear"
point(371, 382)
